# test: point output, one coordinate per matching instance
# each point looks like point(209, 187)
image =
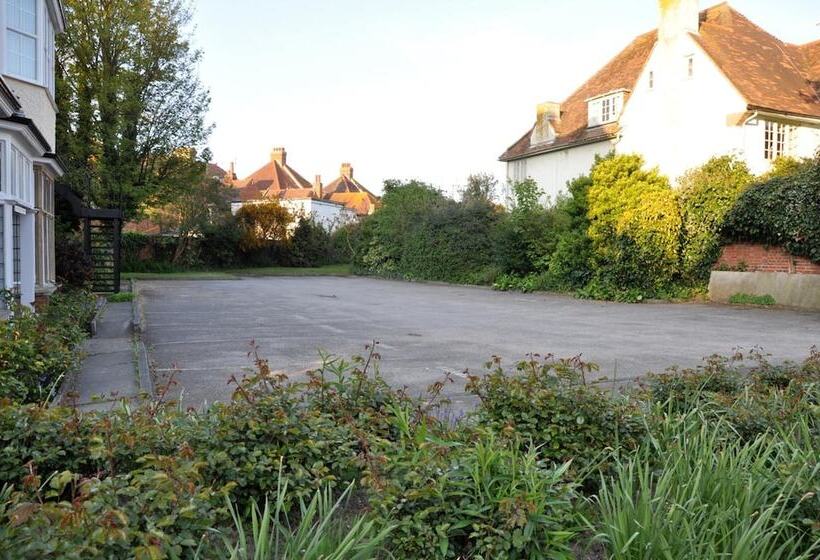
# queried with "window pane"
point(22, 15)
point(22, 55)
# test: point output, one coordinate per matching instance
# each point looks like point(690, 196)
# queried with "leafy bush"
point(707, 193)
point(548, 403)
point(782, 211)
point(73, 268)
point(149, 253)
point(310, 245)
point(37, 351)
point(419, 233)
point(486, 499)
point(635, 223)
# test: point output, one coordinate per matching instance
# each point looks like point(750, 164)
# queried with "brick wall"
point(759, 258)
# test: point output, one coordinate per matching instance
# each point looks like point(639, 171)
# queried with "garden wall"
point(791, 281)
point(751, 257)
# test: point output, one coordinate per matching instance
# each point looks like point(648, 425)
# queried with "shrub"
point(547, 402)
point(419, 233)
point(37, 351)
point(634, 223)
point(73, 268)
point(150, 253)
point(707, 193)
point(219, 245)
point(782, 211)
point(486, 499)
point(310, 245)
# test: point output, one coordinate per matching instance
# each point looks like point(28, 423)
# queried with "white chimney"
point(677, 18)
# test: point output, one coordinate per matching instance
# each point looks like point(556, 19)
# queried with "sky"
point(412, 89)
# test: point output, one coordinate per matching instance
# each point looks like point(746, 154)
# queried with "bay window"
point(44, 228)
point(21, 38)
point(778, 140)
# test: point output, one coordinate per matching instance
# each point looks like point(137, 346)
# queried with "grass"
point(749, 299)
point(234, 273)
point(120, 297)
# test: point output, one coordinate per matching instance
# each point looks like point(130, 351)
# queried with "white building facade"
point(28, 165)
point(704, 84)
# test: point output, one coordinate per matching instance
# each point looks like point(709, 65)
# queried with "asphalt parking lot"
point(202, 330)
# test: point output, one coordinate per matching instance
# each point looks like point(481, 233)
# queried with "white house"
point(276, 180)
point(28, 165)
point(704, 83)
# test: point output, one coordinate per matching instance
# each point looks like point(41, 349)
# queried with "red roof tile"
point(348, 191)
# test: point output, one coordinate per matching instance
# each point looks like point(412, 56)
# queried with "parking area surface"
point(202, 330)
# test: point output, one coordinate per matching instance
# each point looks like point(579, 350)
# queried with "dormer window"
point(606, 108)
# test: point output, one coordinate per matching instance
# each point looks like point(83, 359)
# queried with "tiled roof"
point(768, 73)
point(619, 73)
point(273, 180)
point(351, 193)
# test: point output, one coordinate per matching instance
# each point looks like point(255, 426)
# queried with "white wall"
point(683, 121)
point(328, 215)
point(37, 106)
point(553, 170)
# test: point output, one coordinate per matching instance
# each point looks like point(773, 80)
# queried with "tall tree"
point(129, 96)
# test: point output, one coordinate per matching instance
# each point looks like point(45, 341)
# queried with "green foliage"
point(707, 194)
point(37, 351)
point(319, 534)
point(130, 102)
point(635, 223)
point(419, 233)
point(548, 403)
point(719, 458)
point(482, 499)
point(73, 267)
point(782, 211)
point(690, 492)
point(310, 245)
point(749, 299)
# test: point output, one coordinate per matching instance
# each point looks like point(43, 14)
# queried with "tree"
point(129, 97)
point(480, 187)
point(197, 203)
point(263, 225)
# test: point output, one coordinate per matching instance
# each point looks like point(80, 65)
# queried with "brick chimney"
point(547, 117)
point(347, 170)
point(317, 186)
point(677, 18)
point(279, 155)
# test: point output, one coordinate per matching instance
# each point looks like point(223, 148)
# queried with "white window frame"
point(21, 176)
point(36, 36)
point(778, 139)
point(604, 109)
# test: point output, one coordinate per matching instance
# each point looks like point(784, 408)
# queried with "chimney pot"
point(347, 170)
point(279, 155)
point(317, 186)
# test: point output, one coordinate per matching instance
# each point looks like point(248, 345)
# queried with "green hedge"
point(783, 211)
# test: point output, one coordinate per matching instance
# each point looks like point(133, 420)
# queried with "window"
point(518, 170)
point(21, 38)
point(44, 228)
point(651, 79)
point(607, 109)
point(21, 176)
point(690, 66)
point(778, 140)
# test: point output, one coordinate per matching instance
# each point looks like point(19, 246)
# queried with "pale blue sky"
point(428, 89)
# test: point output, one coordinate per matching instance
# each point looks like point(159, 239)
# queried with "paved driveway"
point(204, 329)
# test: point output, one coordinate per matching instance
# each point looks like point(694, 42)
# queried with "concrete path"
point(201, 330)
point(109, 371)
